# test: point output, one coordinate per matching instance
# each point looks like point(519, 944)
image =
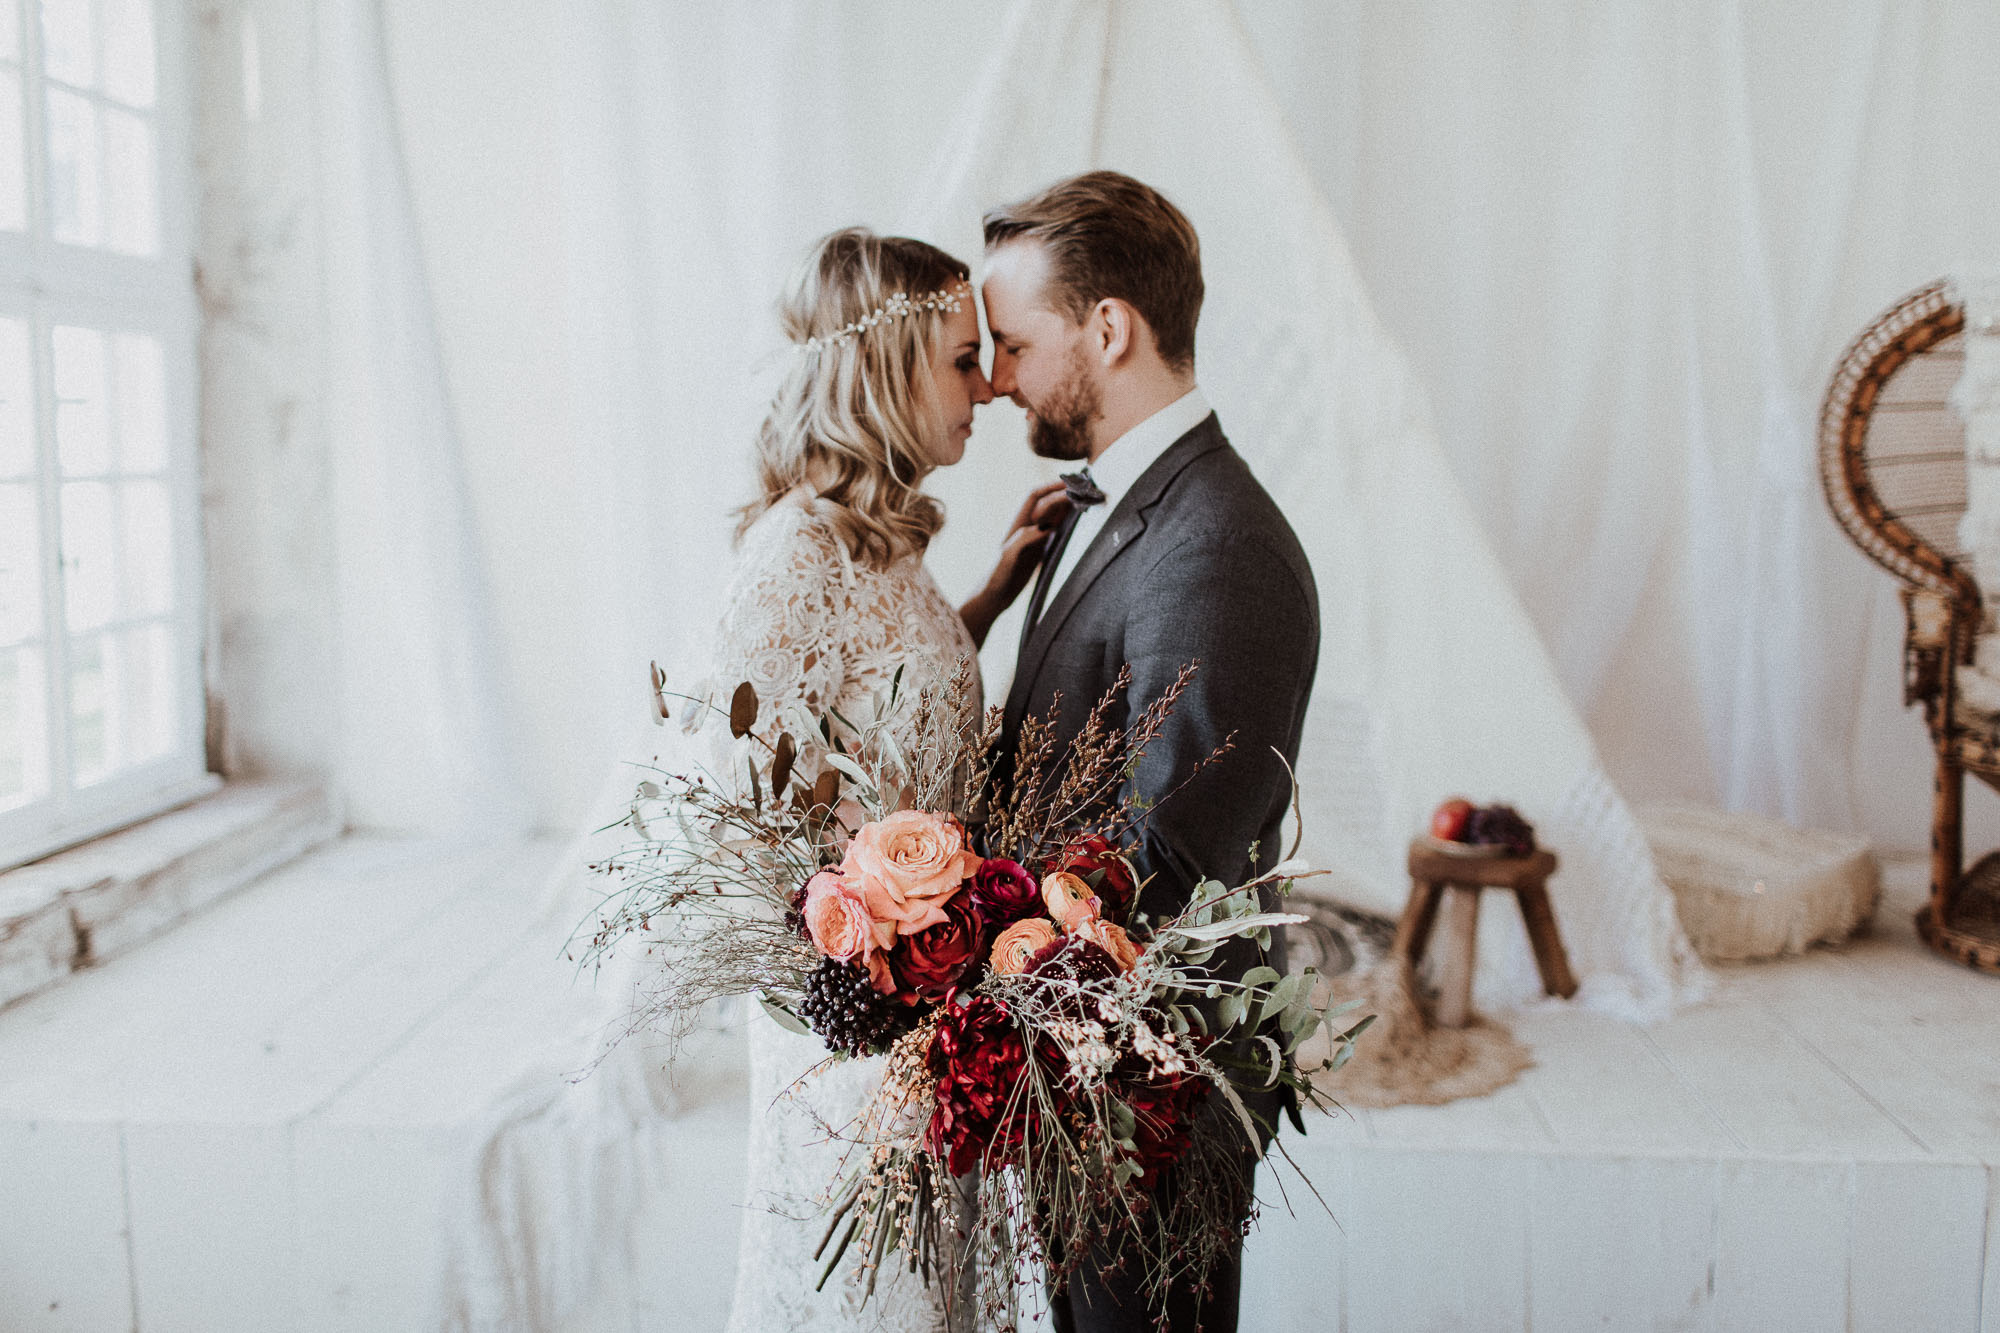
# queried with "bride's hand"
point(1045, 507)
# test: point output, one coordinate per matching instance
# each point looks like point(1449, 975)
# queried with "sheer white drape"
point(1621, 246)
point(423, 723)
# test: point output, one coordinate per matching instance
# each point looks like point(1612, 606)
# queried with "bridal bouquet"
point(1043, 1040)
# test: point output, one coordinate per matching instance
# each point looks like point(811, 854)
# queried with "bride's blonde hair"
point(856, 420)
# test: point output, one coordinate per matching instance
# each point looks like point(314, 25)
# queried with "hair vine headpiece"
point(898, 306)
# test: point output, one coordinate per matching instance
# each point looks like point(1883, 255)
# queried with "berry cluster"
point(848, 1013)
point(1501, 826)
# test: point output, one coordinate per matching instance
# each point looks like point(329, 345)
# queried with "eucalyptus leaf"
point(784, 1018)
point(1261, 976)
point(848, 768)
point(742, 710)
point(1242, 925)
point(781, 763)
point(1250, 1133)
point(1277, 1060)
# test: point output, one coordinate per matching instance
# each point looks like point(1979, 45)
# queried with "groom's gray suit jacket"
point(1196, 563)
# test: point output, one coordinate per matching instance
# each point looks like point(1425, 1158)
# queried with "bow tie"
point(1081, 489)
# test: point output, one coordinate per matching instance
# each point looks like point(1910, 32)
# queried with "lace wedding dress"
point(809, 627)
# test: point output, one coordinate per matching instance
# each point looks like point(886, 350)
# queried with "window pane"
point(24, 730)
point(90, 735)
point(147, 703)
point(20, 564)
point(147, 527)
point(83, 425)
point(75, 216)
point(89, 538)
point(17, 401)
point(128, 50)
point(68, 53)
point(13, 154)
point(142, 403)
point(130, 214)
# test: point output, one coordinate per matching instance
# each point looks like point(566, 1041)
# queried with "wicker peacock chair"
point(1892, 458)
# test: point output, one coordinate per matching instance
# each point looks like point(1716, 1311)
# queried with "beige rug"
point(1404, 1059)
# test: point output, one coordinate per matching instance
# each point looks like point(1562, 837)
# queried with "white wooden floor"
point(251, 1123)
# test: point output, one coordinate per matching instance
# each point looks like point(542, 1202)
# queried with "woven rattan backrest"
point(1892, 449)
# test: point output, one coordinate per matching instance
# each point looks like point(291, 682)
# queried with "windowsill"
point(81, 906)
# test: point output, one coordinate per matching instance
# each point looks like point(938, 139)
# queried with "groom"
point(1173, 553)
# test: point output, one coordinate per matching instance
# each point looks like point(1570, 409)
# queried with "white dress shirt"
point(1123, 462)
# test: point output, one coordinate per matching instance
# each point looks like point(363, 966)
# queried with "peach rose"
point(1112, 939)
point(909, 865)
point(838, 921)
point(1069, 900)
point(1020, 942)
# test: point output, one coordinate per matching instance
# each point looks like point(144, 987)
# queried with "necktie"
point(1083, 493)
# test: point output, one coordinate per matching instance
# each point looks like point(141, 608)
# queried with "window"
point(100, 608)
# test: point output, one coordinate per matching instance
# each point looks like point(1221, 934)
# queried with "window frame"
point(50, 283)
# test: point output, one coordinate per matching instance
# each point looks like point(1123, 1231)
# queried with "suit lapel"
point(1119, 534)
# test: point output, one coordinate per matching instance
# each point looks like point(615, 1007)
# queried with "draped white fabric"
point(1621, 246)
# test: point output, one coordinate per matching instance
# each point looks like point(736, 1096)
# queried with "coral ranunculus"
point(977, 1058)
point(1100, 863)
point(1020, 942)
point(1004, 892)
point(909, 865)
point(932, 961)
point(1068, 899)
point(1112, 939)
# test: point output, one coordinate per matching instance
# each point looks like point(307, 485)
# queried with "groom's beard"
point(1059, 426)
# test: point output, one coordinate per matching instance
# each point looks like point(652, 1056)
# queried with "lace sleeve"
point(781, 630)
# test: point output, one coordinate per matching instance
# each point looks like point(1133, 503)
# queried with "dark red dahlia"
point(978, 1060)
point(1163, 1108)
point(1073, 958)
point(1102, 865)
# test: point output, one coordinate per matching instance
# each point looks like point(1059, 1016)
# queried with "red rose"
point(1102, 865)
point(1004, 892)
point(977, 1059)
point(932, 961)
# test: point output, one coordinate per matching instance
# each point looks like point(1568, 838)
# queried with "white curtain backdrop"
point(1623, 245)
point(1620, 246)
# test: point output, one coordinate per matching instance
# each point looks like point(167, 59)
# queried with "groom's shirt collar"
point(1126, 459)
point(1118, 467)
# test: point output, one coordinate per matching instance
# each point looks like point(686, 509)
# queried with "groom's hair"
point(1107, 235)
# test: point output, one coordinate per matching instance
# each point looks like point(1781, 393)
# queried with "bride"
point(830, 599)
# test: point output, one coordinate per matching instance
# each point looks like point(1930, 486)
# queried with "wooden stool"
point(1432, 872)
